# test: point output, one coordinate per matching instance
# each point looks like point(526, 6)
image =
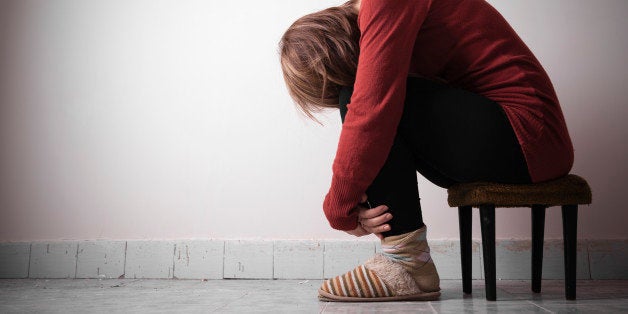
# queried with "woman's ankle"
point(412, 251)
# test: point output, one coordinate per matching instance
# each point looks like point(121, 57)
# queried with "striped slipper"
point(379, 279)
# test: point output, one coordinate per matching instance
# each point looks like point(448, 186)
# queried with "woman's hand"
point(371, 220)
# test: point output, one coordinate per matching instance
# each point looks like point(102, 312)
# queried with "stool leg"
point(570, 229)
point(538, 228)
point(487, 220)
point(464, 221)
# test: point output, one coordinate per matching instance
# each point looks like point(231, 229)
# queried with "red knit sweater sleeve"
point(388, 32)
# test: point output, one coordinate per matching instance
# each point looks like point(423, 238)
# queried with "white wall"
point(169, 119)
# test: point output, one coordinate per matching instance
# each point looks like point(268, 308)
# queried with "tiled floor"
point(287, 296)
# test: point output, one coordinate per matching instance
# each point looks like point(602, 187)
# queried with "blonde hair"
point(319, 55)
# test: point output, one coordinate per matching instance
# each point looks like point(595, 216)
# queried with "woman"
point(446, 88)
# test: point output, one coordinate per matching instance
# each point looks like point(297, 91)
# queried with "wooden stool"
point(568, 192)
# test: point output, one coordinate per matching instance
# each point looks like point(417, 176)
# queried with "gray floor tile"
point(379, 307)
point(288, 296)
point(585, 308)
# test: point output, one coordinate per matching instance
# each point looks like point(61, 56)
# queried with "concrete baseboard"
point(282, 259)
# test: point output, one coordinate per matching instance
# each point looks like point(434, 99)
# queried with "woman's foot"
point(403, 271)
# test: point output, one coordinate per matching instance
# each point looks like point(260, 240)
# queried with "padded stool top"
point(568, 190)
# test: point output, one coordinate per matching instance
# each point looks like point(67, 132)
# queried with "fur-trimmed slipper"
point(379, 279)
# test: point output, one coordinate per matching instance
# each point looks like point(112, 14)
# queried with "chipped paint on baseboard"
point(284, 259)
point(199, 259)
point(608, 259)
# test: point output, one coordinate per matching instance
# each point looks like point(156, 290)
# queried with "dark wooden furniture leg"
point(487, 220)
point(570, 229)
point(538, 228)
point(464, 221)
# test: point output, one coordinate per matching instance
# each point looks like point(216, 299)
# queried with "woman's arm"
point(388, 31)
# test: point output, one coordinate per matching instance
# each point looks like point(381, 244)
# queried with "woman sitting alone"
point(445, 88)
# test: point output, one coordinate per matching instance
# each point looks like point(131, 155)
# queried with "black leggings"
point(449, 135)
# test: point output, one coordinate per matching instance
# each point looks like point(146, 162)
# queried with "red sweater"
point(465, 43)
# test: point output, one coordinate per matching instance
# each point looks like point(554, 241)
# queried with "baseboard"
point(282, 259)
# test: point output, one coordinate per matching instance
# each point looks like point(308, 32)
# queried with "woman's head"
point(319, 55)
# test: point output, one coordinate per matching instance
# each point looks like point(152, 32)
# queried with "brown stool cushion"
point(568, 190)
